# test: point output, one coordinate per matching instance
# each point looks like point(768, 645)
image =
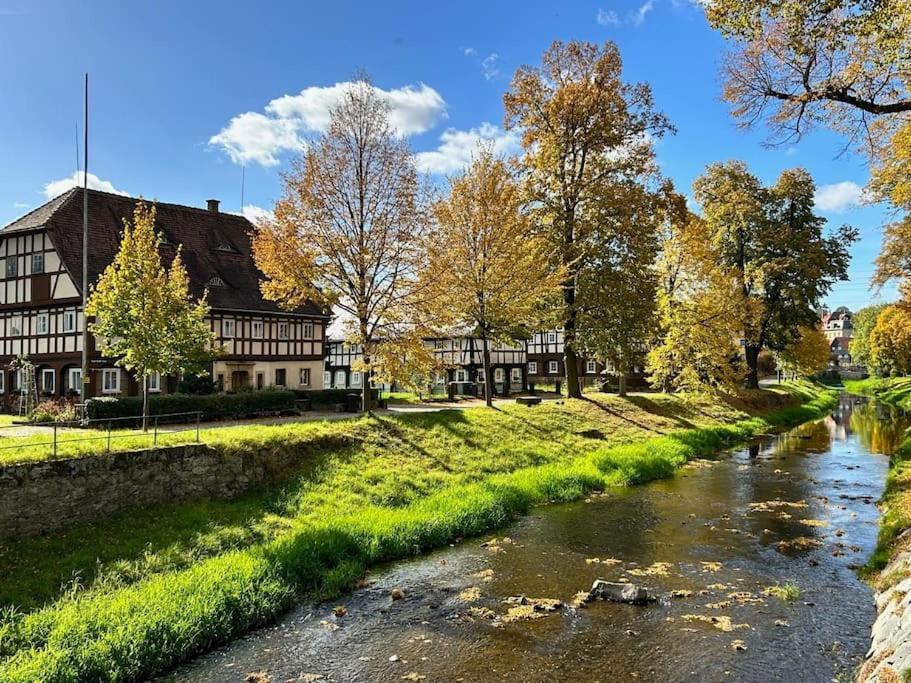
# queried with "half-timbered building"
point(546, 362)
point(461, 363)
point(41, 295)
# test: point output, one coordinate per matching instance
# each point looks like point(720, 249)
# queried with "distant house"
point(41, 298)
point(838, 323)
point(547, 364)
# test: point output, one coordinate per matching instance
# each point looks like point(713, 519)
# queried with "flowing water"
point(720, 533)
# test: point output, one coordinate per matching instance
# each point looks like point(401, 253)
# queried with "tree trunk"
point(145, 401)
point(752, 357)
point(621, 381)
point(488, 379)
point(570, 358)
point(365, 375)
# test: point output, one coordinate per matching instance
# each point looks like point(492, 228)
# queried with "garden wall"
point(46, 496)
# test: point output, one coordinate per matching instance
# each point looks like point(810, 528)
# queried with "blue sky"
point(183, 94)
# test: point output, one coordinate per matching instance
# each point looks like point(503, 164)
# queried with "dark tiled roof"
point(216, 246)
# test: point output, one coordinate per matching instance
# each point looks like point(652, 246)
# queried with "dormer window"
point(215, 282)
point(225, 247)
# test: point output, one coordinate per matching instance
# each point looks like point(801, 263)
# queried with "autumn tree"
point(775, 247)
point(807, 355)
point(698, 307)
point(890, 341)
point(618, 286)
point(348, 232)
point(864, 321)
point(583, 128)
point(799, 63)
point(144, 315)
point(487, 270)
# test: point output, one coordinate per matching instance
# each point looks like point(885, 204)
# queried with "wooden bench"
point(528, 400)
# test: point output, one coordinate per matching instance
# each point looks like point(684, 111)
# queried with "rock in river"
point(621, 592)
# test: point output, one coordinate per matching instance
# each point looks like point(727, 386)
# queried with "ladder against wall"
point(28, 398)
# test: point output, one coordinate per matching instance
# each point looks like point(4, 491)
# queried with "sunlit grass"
point(370, 490)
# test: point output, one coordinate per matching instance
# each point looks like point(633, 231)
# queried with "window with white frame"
point(461, 376)
point(499, 375)
point(481, 375)
point(41, 325)
point(355, 379)
point(590, 367)
point(438, 344)
point(532, 367)
point(37, 262)
point(2, 382)
point(516, 375)
point(75, 380)
point(110, 380)
point(308, 330)
point(48, 381)
point(15, 326)
point(327, 379)
point(155, 382)
point(340, 382)
point(281, 377)
point(227, 328)
point(257, 329)
point(305, 377)
point(551, 337)
point(553, 367)
point(69, 321)
point(283, 330)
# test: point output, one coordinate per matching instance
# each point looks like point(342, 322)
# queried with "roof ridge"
point(41, 206)
point(157, 202)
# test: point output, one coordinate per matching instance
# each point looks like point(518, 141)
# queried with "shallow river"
point(722, 527)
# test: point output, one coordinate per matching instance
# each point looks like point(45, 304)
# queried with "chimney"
point(212, 205)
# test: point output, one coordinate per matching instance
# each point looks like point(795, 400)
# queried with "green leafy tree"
point(144, 315)
point(619, 283)
point(864, 322)
point(775, 247)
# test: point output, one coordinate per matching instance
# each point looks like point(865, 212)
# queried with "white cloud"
point(20, 205)
point(607, 17)
point(458, 147)
point(489, 66)
point(469, 52)
point(252, 137)
point(58, 187)
point(260, 137)
point(256, 214)
point(639, 15)
point(839, 197)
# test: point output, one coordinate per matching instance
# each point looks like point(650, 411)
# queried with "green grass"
point(173, 582)
point(896, 500)
point(786, 592)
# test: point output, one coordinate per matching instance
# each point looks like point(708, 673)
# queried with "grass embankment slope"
point(896, 500)
point(170, 582)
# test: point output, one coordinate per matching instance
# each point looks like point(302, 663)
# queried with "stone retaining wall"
point(889, 657)
point(45, 496)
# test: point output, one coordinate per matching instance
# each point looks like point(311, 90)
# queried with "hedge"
point(212, 406)
point(321, 398)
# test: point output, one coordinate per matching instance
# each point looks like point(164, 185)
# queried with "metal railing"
point(106, 428)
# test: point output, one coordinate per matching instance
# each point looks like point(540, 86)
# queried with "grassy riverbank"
point(896, 500)
point(172, 582)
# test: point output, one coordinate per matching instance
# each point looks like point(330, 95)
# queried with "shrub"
point(212, 406)
point(51, 410)
point(320, 398)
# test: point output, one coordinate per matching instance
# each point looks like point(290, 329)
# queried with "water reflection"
point(879, 426)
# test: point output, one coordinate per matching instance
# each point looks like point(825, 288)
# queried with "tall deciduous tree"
point(619, 284)
point(144, 314)
point(773, 242)
point(890, 341)
point(698, 310)
point(797, 63)
point(583, 128)
point(487, 270)
point(864, 321)
point(348, 231)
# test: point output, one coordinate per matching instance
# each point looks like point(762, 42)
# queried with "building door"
point(240, 379)
point(340, 380)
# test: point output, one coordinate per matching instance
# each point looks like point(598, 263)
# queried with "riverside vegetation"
point(896, 500)
point(155, 587)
